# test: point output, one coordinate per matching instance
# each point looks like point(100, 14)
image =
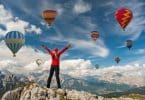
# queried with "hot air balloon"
point(35, 50)
point(97, 66)
point(49, 16)
point(95, 35)
point(129, 44)
point(123, 16)
point(14, 41)
point(117, 59)
point(38, 62)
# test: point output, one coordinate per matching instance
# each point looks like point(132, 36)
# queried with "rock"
point(12, 95)
point(35, 92)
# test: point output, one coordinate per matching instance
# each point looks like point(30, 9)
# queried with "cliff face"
point(35, 92)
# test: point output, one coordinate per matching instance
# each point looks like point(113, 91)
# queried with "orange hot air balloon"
point(49, 16)
point(95, 35)
point(123, 16)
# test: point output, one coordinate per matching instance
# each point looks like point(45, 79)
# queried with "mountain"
point(139, 90)
point(89, 84)
point(33, 91)
point(9, 81)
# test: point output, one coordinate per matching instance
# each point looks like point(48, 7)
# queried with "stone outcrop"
point(36, 92)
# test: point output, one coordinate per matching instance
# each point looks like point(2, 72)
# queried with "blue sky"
point(76, 19)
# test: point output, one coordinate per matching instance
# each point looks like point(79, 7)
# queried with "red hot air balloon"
point(123, 16)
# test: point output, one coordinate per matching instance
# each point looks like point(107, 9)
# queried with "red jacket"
point(56, 56)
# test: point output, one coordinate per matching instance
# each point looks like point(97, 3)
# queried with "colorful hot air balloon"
point(129, 44)
point(38, 62)
point(95, 35)
point(123, 16)
point(14, 41)
point(49, 16)
point(117, 59)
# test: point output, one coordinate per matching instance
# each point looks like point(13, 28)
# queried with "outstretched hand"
point(69, 45)
point(43, 46)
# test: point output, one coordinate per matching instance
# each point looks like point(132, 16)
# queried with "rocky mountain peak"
point(35, 92)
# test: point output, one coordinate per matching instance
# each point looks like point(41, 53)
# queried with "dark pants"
point(52, 69)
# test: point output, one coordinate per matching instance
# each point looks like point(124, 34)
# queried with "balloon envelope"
point(97, 66)
point(14, 41)
point(129, 44)
point(39, 62)
point(123, 16)
point(49, 16)
point(117, 59)
point(95, 35)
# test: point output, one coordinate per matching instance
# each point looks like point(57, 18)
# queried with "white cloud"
point(24, 63)
point(25, 57)
point(60, 9)
point(140, 51)
point(94, 49)
point(13, 23)
point(128, 74)
point(33, 28)
point(81, 7)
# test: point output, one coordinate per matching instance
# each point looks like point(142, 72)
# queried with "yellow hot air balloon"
point(14, 41)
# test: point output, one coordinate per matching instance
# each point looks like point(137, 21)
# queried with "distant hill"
point(139, 90)
point(89, 84)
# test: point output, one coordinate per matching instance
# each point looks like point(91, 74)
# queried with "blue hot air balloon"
point(14, 41)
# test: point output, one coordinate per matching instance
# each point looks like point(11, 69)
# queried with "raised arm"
point(64, 49)
point(47, 49)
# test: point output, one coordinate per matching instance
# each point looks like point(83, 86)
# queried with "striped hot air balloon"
point(123, 16)
point(14, 41)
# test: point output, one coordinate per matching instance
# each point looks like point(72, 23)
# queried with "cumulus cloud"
point(95, 49)
point(128, 74)
point(81, 7)
point(25, 57)
point(24, 63)
point(78, 68)
point(12, 23)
